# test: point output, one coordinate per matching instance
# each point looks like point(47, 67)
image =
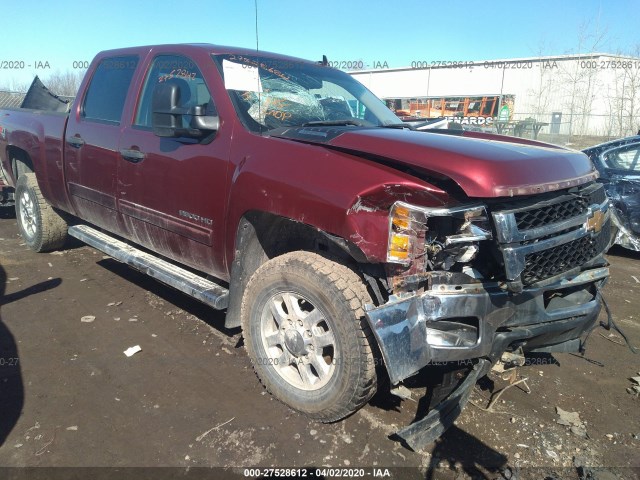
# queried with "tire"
point(41, 227)
point(318, 359)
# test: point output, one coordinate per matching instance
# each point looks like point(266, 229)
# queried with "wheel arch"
point(261, 236)
point(20, 162)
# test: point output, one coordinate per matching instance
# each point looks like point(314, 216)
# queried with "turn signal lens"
point(401, 218)
point(399, 247)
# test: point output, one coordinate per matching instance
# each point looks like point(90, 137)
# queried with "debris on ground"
point(88, 318)
point(200, 437)
point(114, 304)
point(572, 420)
point(402, 392)
point(129, 352)
point(634, 389)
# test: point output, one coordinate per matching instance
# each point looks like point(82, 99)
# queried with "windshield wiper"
point(399, 125)
point(337, 123)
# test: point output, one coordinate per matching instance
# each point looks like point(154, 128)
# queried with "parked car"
point(618, 163)
point(347, 246)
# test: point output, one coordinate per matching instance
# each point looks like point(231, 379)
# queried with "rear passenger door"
point(172, 190)
point(91, 141)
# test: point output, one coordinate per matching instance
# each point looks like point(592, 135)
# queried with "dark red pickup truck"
point(348, 247)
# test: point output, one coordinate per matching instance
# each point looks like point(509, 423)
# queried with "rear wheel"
point(305, 332)
point(41, 227)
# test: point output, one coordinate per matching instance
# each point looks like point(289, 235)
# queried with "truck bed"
point(42, 135)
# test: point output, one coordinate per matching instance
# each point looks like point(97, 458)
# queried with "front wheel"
point(306, 334)
point(40, 225)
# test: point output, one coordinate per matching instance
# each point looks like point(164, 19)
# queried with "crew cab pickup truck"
point(353, 251)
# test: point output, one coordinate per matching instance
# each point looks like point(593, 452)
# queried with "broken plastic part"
point(421, 433)
point(611, 324)
point(624, 196)
point(458, 227)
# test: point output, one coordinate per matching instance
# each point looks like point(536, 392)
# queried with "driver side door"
point(172, 191)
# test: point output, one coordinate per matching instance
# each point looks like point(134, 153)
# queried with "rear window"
point(625, 158)
point(108, 89)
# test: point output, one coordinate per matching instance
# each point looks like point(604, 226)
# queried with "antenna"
point(258, 89)
point(257, 44)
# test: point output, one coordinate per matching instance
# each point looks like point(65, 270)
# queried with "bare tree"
point(540, 93)
point(64, 83)
point(14, 86)
point(580, 83)
point(631, 96)
point(624, 94)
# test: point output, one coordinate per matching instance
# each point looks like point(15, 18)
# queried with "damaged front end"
point(473, 282)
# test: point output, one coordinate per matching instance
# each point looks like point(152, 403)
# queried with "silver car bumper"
point(463, 322)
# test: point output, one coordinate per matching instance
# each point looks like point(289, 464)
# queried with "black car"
point(618, 162)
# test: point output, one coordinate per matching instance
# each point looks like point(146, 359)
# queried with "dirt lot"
point(69, 397)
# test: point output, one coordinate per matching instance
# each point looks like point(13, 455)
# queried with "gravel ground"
point(69, 397)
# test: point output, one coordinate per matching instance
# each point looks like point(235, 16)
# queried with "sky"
point(43, 37)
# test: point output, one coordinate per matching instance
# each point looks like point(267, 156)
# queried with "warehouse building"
point(594, 94)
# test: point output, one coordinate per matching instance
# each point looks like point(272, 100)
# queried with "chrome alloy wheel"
point(299, 341)
point(27, 214)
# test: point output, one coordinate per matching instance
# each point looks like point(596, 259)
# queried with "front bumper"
point(538, 318)
point(438, 420)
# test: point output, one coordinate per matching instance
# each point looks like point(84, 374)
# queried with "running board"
point(193, 285)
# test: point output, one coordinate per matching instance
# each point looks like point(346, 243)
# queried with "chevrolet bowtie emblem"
point(595, 221)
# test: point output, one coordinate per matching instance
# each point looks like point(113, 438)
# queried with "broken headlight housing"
point(443, 236)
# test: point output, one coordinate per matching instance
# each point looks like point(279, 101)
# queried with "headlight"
point(411, 226)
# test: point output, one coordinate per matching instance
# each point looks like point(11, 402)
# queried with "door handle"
point(133, 156)
point(75, 142)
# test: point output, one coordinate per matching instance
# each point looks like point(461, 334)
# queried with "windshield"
point(271, 93)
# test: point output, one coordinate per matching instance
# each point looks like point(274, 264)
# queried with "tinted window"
point(108, 89)
point(625, 158)
point(179, 70)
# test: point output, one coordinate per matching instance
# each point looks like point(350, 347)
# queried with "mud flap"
point(421, 433)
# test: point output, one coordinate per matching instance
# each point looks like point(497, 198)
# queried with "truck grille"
point(540, 239)
point(556, 212)
point(556, 260)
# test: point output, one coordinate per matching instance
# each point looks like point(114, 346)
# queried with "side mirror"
point(168, 112)
point(204, 118)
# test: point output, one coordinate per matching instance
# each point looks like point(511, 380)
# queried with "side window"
point(178, 70)
point(108, 89)
point(625, 158)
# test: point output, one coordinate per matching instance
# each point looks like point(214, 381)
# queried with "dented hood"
point(490, 166)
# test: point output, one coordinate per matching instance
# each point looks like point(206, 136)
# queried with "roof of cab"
point(185, 48)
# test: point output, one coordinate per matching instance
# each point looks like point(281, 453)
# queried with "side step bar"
point(193, 285)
